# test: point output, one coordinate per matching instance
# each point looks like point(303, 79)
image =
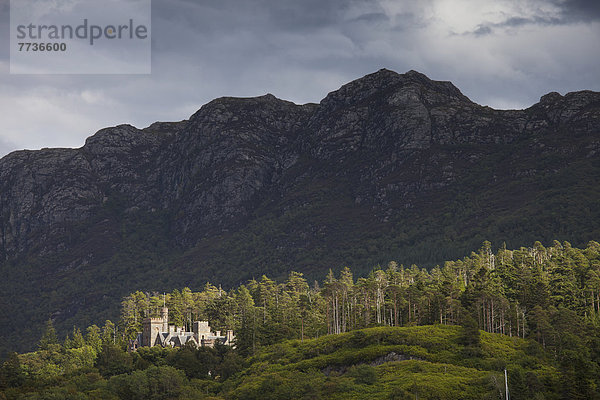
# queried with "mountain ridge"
point(389, 166)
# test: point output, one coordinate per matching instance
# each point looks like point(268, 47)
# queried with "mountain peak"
point(386, 81)
point(551, 97)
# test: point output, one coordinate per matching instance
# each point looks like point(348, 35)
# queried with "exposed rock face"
point(395, 149)
point(231, 152)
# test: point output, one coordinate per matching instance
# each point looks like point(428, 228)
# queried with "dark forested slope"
point(388, 167)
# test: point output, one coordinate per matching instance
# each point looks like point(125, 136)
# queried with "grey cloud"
point(579, 10)
point(293, 15)
point(409, 21)
point(515, 22)
point(265, 15)
point(6, 147)
point(4, 30)
point(374, 17)
point(482, 30)
point(569, 12)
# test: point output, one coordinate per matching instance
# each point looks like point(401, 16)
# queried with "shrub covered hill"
point(389, 167)
point(425, 362)
point(398, 333)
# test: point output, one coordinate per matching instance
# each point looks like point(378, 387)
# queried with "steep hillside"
point(426, 362)
point(388, 167)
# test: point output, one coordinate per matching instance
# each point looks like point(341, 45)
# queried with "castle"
point(158, 332)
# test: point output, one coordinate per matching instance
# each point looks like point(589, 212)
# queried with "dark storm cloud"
point(291, 37)
point(569, 12)
point(482, 30)
point(267, 23)
point(4, 30)
point(580, 10)
point(375, 17)
point(515, 22)
point(266, 15)
point(228, 30)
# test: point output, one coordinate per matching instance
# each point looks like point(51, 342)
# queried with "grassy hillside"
point(425, 362)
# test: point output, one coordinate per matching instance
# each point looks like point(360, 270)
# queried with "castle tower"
point(151, 327)
point(164, 314)
point(201, 330)
point(229, 338)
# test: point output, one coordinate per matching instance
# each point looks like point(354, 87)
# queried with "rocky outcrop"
point(212, 170)
point(390, 357)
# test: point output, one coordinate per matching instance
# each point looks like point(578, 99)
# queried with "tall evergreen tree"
point(49, 338)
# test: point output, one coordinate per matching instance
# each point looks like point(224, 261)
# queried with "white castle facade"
point(158, 332)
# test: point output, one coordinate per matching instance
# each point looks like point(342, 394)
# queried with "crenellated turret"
point(164, 314)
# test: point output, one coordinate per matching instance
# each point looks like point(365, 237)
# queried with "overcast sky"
point(504, 54)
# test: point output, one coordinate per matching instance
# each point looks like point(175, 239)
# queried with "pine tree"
point(109, 332)
point(93, 339)
point(49, 339)
point(469, 335)
point(77, 341)
point(11, 373)
point(245, 335)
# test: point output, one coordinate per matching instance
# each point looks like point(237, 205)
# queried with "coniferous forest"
point(401, 332)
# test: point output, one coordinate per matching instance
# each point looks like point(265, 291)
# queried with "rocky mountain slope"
point(388, 167)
